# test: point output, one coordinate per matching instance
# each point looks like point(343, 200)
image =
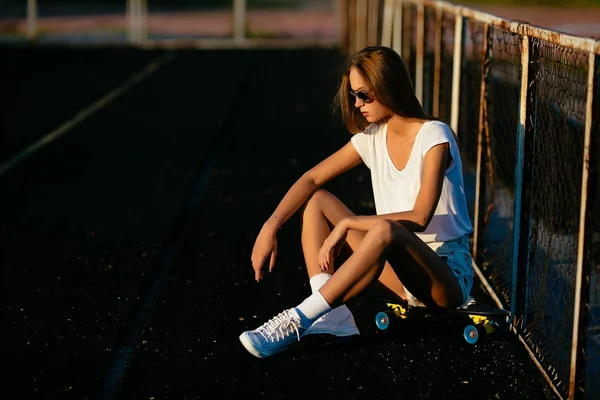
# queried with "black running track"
point(125, 242)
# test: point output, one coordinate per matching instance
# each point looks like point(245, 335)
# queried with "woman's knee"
point(312, 204)
point(382, 233)
point(316, 199)
point(316, 202)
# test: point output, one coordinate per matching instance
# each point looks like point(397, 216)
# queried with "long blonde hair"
point(386, 75)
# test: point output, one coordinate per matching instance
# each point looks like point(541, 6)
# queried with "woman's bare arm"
point(265, 246)
point(337, 163)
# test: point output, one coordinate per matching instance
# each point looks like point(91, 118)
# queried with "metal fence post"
point(361, 24)
point(459, 35)
point(522, 213)
point(480, 180)
point(584, 260)
point(143, 20)
point(239, 19)
point(32, 16)
point(340, 12)
point(372, 22)
point(352, 22)
point(406, 34)
point(420, 52)
point(398, 33)
point(133, 21)
point(437, 62)
point(386, 26)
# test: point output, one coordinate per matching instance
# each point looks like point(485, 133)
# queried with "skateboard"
point(478, 320)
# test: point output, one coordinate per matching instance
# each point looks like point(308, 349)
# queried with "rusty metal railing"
point(524, 101)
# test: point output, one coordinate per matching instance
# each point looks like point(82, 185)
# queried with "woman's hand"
point(264, 247)
point(332, 246)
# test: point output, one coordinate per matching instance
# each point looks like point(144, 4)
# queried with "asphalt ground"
point(125, 242)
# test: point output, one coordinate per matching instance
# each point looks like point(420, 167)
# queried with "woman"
point(416, 247)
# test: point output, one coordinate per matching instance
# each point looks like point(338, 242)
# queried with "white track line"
point(139, 76)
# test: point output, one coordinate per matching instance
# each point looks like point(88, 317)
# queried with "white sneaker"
point(274, 336)
point(338, 322)
point(470, 301)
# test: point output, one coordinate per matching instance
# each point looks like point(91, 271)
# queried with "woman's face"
point(373, 111)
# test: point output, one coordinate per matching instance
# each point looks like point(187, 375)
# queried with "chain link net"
point(555, 196)
point(470, 98)
point(501, 106)
point(470, 92)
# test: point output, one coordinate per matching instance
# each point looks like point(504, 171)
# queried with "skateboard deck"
point(478, 320)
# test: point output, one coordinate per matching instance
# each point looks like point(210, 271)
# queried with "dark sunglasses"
point(361, 95)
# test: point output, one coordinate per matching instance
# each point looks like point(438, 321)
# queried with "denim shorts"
point(457, 255)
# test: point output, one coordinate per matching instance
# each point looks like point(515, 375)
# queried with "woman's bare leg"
point(420, 269)
point(323, 209)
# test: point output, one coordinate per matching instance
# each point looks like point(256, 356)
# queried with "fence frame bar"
point(437, 60)
point(549, 35)
point(420, 52)
point(521, 225)
point(352, 22)
point(580, 316)
point(340, 10)
point(397, 33)
point(361, 24)
point(480, 180)
point(129, 11)
point(387, 23)
point(372, 22)
point(519, 172)
point(406, 38)
point(144, 20)
point(32, 18)
point(134, 21)
point(459, 35)
point(239, 20)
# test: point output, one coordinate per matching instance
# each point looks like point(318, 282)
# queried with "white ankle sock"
point(318, 280)
point(313, 307)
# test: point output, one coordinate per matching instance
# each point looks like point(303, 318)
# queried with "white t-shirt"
point(396, 191)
